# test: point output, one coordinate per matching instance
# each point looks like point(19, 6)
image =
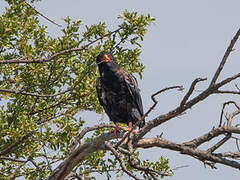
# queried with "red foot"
point(116, 129)
point(130, 127)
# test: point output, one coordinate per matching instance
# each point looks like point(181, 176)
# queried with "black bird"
point(118, 93)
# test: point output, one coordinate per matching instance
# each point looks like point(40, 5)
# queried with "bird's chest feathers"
point(113, 81)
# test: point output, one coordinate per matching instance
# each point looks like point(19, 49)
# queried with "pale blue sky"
point(187, 41)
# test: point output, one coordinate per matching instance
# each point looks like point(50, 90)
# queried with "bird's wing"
point(101, 93)
point(132, 86)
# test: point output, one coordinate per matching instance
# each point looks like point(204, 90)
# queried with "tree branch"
point(55, 55)
point(210, 135)
point(190, 91)
point(26, 93)
point(120, 160)
point(220, 143)
point(45, 17)
point(225, 57)
point(183, 149)
point(12, 146)
point(180, 88)
point(188, 148)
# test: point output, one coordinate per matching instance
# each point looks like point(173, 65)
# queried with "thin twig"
point(190, 91)
point(237, 87)
point(227, 92)
point(13, 159)
point(180, 88)
point(227, 80)
point(222, 112)
point(25, 93)
point(220, 143)
point(45, 17)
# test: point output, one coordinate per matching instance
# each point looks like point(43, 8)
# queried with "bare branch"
point(220, 143)
point(226, 81)
point(208, 136)
point(79, 154)
point(180, 88)
point(179, 110)
point(190, 91)
point(222, 112)
point(45, 17)
point(224, 59)
point(231, 116)
point(183, 149)
point(233, 155)
point(120, 160)
point(227, 92)
point(86, 130)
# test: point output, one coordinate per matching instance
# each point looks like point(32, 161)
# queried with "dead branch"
point(224, 59)
point(78, 155)
point(220, 143)
point(188, 148)
point(190, 91)
point(45, 17)
point(210, 135)
point(120, 160)
point(86, 130)
point(227, 92)
point(183, 149)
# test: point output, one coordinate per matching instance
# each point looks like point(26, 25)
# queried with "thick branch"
point(189, 148)
point(179, 110)
point(210, 135)
point(183, 149)
point(78, 155)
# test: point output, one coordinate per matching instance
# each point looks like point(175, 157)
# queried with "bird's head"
point(104, 57)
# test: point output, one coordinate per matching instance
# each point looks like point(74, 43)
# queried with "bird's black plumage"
point(118, 91)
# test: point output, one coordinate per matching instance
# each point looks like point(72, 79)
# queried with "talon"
point(130, 127)
point(116, 129)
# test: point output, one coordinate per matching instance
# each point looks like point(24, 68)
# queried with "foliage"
point(41, 102)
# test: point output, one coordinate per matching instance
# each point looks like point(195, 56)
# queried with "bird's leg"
point(117, 128)
point(130, 127)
